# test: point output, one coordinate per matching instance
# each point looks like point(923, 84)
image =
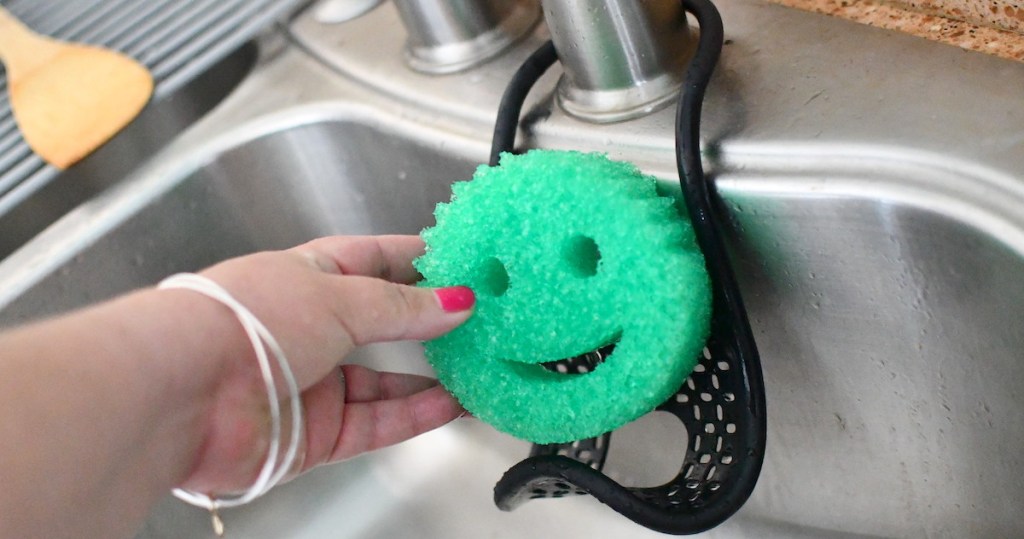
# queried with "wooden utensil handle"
point(20, 46)
point(7, 21)
point(11, 29)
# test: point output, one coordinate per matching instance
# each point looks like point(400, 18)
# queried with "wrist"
point(210, 376)
point(248, 412)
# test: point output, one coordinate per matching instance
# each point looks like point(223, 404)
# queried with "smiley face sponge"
point(568, 253)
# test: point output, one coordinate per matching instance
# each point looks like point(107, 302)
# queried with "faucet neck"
point(446, 36)
point(621, 58)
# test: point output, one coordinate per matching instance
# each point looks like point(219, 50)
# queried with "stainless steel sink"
point(876, 219)
point(300, 182)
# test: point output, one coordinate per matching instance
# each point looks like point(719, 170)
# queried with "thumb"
point(375, 310)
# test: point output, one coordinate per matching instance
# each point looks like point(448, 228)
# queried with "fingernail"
point(455, 299)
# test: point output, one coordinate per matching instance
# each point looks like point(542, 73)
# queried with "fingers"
point(323, 404)
point(388, 408)
point(372, 310)
point(371, 425)
point(366, 385)
point(384, 257)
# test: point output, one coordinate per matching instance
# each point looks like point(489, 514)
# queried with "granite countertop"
point(990, 38)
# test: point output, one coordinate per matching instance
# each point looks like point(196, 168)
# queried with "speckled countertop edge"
point(968, 36)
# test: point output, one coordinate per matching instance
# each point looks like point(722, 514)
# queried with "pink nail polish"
point(454, 299)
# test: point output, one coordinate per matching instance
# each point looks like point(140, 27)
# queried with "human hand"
point(320, 300)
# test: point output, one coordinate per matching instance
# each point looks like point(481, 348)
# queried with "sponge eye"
point(492, 277)
point(581, 255)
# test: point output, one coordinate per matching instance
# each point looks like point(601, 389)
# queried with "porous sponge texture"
point(567, 252)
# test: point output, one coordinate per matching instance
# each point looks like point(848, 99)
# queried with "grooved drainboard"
point(176, 40)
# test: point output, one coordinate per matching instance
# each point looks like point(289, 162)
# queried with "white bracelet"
point(271, 474)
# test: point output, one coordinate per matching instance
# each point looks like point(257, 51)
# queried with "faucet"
point(446, 36)
point(621, 58)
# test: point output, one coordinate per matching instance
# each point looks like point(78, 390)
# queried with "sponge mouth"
point(586, 362)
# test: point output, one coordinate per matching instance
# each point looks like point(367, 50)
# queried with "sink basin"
point(880, 261)
point(331, 177)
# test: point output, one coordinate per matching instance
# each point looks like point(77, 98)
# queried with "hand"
point(321, 300)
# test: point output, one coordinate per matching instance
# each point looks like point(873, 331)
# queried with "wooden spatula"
point(68, 99)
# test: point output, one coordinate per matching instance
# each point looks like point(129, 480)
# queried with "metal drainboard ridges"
point(175, 39)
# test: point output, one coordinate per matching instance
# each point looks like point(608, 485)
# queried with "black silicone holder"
point(722, 403)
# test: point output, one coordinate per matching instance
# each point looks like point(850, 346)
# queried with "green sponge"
point(568, 253)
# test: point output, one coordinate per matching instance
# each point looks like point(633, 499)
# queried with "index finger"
point(383, 257)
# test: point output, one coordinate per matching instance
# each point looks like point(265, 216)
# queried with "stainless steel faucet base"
point(447, 36)
point(606, 106)
point(622, 59)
